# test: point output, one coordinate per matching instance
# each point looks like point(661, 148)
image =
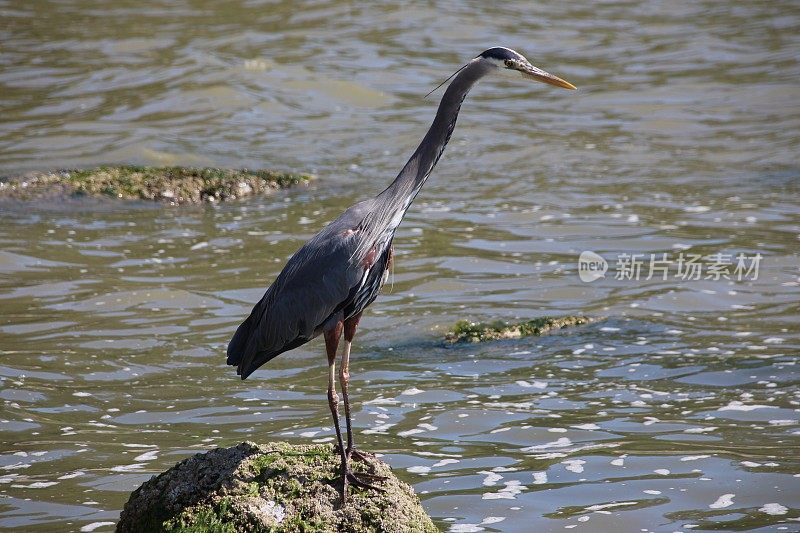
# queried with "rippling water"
point(677, 411)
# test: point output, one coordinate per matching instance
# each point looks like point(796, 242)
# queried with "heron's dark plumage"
point(499, 53)
point(323, 281)
point(339, 272)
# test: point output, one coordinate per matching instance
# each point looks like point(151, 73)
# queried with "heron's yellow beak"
point(534, 73)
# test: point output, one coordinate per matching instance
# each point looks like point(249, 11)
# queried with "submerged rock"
point(277, 487)
point(466, 331)
point(177, 185)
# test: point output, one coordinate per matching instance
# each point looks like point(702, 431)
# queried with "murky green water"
point(677, 412)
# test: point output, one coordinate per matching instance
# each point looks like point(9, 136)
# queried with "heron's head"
point(509, 61)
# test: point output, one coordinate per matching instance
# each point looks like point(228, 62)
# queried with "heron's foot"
point(363, 481)
point(358, 455)
point(360, 480)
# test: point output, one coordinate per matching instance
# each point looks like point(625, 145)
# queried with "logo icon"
point(591, 266)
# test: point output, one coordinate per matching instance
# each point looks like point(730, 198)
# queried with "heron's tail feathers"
point(243, 351)
point(238, 345)
point(247, 350)
point(251, 364)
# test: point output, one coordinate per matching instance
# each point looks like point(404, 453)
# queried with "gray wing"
point(314, 284)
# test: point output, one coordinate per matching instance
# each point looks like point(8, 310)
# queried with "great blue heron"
point(327, 284)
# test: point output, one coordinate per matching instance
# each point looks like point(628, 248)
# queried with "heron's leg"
point(344, 377)
point(350, 326)
point(331, 344)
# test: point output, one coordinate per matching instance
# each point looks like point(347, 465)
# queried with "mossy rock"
point(276, 488)
point(177, 185)
point(466, 331)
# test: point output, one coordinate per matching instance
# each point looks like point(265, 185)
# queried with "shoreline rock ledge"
point(171, 185)
point(275, 487)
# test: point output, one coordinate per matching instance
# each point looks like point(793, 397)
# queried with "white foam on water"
point(701, 430)
point(563, 442)
point(509, 492)
point(128, 468)
point(736, 405)
point(574, 465)
point(774, 509)
point(465, 528)
point(40, 484)
point(147, 456)
point(96, 525)
point(380, 428)
point(611, 505)
point(534, 385)
point(491, 479)
point(726, 500)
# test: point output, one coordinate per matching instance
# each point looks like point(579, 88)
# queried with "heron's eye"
point(510, 63)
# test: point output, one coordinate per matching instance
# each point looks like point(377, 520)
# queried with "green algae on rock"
point(466, 331)
point(177, 185)
point(275, 487)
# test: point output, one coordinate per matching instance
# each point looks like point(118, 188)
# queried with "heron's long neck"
point(399, 195)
